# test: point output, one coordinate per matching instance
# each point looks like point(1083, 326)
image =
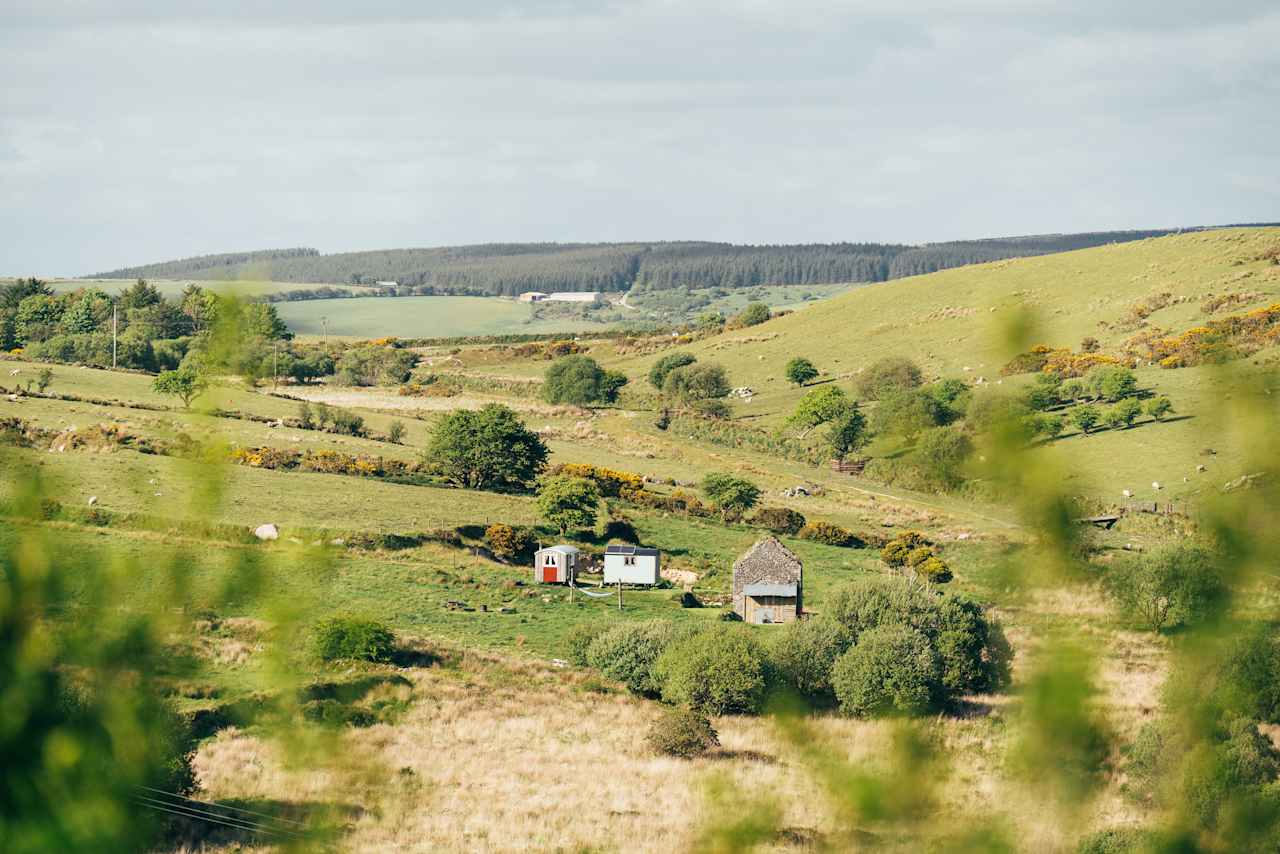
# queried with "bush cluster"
point(325, 462)
point(353, 638)
point(509, 542)
point(683, 733)
point(911, 551)
point(374, 365)
point(611, 482)
point(779, 520)
point(628, 652)
point(832, 535)
point(1179, 585)
point(971, 651)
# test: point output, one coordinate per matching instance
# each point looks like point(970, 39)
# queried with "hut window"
point(629, 560)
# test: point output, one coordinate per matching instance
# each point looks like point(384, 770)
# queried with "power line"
point(185, 807)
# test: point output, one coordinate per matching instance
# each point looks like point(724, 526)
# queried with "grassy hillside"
point(421, 317)
point(473, 680)
point(953, 325)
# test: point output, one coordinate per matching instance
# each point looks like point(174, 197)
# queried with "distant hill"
point(509, 268)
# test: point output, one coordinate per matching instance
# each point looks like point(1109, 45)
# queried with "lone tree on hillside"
point(489, 448)
point(579, 380)
point(1085, 417)
point(800, 371)
point(1159, 407)
point(730, 494)
point(848, 433)
point(819, 407)
point(185, 382)
point(693, 383)
point(667, 364)
point(569, 503)
point(892, 373)
point(1124, 413)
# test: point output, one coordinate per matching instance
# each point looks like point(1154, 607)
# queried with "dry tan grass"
point(505, 755)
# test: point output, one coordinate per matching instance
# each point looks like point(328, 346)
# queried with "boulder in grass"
point(267, 532)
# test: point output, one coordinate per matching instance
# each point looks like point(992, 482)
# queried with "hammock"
point(586, 592)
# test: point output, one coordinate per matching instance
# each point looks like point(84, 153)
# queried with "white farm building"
point(575, 296)
point(556, 565)
point(631, 565)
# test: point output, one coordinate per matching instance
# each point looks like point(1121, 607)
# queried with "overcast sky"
point(136, 131)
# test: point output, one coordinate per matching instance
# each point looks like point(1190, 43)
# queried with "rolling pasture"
point(474, 677)
point(420, 317)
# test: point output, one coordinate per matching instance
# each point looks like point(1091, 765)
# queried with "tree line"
point(507, 269)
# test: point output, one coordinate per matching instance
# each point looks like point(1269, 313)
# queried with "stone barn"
point(768, 584)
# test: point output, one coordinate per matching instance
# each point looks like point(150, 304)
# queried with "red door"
point(549, 575)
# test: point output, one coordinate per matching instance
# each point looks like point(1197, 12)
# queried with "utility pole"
point(114, 328)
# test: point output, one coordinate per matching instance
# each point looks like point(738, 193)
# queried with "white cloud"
point(137, 131)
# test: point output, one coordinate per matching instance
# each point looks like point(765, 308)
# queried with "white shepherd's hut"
point(555, 565)
point(631, 565)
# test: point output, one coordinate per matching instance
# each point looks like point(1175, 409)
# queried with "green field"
point(420, 317)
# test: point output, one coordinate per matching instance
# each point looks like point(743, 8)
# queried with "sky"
point(135, 131)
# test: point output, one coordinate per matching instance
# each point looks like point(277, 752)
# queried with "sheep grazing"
point(1155, 484)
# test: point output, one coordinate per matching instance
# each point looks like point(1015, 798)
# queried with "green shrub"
point(579, 381)
point(832, 535)
point(888, 374)
point(509, 542)
point(779, 520)
point(753, 315)
point(1222, 777)
point(696, 382)
point(800, 371)
point(1159, 407)
point(395, 433)
point(898, 551)
point(667, 364)
point(373, 365)
point(347, 423)
point(1251, 675)
point(891, 670)
point(1174, 585)
point(341, 638)
point(627, 653)
point(579, 640)
point(683, 733)
point(804, 652)
point(973, 653)
point(721, 670)
point(1116, 840)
